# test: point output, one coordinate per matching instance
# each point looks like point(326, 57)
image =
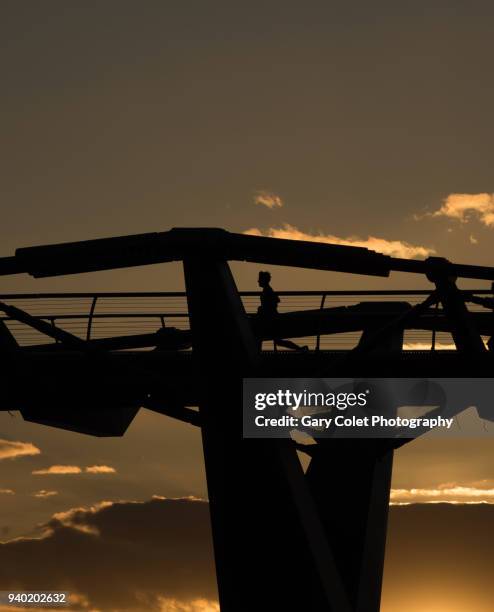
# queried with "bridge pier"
point(270, 547)
point(350, 482)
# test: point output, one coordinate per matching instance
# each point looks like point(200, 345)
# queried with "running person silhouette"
point(268, 312)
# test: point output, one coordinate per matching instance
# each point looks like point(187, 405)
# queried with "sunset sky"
point(351, 122)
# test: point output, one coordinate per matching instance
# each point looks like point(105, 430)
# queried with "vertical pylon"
point(270, 547)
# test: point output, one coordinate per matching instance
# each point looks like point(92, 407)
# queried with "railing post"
point(52, 321)
point(433, 340)
point(318, 340)
point(90, 319)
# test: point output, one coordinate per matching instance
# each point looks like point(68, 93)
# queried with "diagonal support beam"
point(463, 328)
point(388, 332)
point(7, 341)
point(48, 329)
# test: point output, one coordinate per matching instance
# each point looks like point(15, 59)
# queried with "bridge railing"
point(102, 315)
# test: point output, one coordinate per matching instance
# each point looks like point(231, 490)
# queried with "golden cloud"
point(75, 469)
point(395, 248)
point(11, 449)
point(197, 605)
point(453, 493)
point(464, 206)
point(7, 492)
point(440, 346)
point(44, 493)
point(268, 199)
point(72, 518)
point(59, 469)
point(100, 469)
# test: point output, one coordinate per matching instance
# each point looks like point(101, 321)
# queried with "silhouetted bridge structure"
point(331, 320)
point(284, 539)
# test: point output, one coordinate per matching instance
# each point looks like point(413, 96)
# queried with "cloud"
point(11, 449)
point(75, 469)
point(396, 248)
point(465, 206)
point(44, 493)
point(198, 605)
point(440, 346)
point(100, 469)
point(75, 518)
point(155, 556)
point(268, 199)
point(473, 240)
point(165, 605)
point(7, 492)
point(58, 469)
point(453, 493)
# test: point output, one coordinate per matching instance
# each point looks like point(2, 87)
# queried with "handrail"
point(106, 315)
point(144, 294)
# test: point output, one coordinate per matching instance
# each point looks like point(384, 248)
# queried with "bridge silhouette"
point(284, 539)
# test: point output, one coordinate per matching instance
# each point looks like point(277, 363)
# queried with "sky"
point(350, 122)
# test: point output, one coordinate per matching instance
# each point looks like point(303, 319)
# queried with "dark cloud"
point(119, 556)
point(134, 556)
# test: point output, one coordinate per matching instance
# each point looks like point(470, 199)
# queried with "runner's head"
point(264, 279)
